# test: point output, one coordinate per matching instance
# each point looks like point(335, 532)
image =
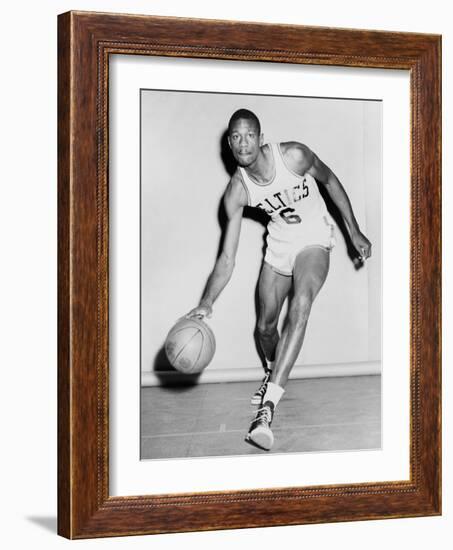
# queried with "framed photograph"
point(249, 275)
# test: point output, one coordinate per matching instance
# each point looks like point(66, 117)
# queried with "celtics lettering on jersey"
point(289, 198)
point(284, 199)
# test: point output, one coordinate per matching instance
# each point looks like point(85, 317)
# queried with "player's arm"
point(320, 171)
point(234, 201)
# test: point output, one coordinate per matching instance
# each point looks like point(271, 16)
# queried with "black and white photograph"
point(226, 275)
point(260, 274)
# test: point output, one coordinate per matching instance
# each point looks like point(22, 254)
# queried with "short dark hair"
point(244, 113)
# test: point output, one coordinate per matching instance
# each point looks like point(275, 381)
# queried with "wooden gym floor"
point(322, 414)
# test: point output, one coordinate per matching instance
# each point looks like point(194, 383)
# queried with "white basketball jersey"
point(293, 202)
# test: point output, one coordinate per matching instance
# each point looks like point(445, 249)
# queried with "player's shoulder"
point(236, 180)
point(296, 152)
point(235, 190)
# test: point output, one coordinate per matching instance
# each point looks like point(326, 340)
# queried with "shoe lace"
point(264, 414)
point(262, 389)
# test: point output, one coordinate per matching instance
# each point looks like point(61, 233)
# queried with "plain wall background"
point(28, 273)
point(183, 180)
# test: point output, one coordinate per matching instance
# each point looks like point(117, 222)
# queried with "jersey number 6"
point(288, 217)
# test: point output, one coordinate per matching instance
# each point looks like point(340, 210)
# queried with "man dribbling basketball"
point(279, 179)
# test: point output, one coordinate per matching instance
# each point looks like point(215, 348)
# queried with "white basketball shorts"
point(282, 249)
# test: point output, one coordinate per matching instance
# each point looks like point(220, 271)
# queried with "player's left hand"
point(362, 245)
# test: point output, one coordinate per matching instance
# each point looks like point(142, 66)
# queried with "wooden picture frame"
point(85, 508)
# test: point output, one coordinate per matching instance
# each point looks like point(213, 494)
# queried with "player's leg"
point(273, 289)
point(310, 271)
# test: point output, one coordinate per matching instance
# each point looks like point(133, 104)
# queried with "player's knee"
point(266, 329)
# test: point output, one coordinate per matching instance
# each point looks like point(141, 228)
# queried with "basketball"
point(190, 345)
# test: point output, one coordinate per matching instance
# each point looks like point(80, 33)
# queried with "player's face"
point(245, 141)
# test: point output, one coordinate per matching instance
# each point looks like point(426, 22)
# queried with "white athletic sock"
point(269, 364)
point(273, 393)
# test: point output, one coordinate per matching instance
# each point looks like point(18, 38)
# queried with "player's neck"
point(263, 169)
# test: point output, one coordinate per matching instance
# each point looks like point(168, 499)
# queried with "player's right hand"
point(200, 312)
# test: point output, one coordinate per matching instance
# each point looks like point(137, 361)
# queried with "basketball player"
point(279, 178)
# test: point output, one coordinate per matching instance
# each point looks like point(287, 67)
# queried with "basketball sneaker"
point(257, 397)
point(260, 433)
